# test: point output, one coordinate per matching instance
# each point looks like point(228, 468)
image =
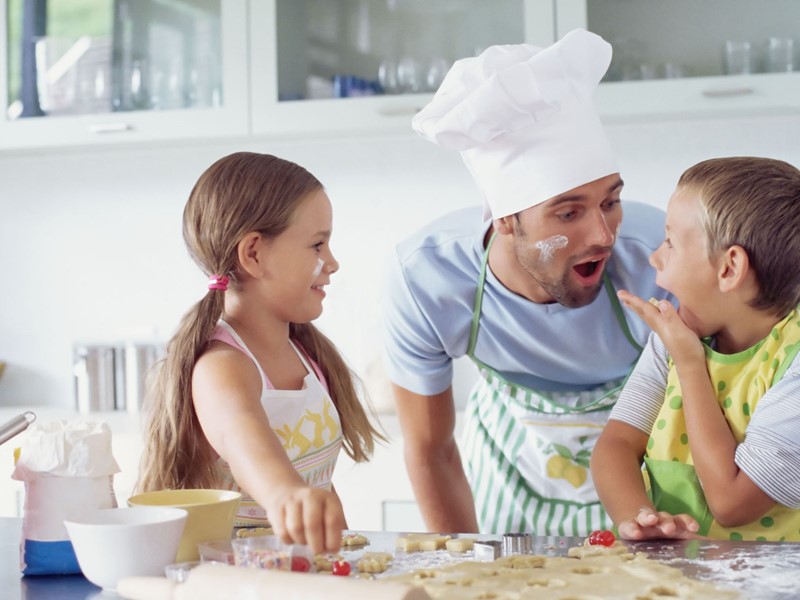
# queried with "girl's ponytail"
point(176, 453)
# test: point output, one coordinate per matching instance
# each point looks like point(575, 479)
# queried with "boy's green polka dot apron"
point(741, 380)
point(527, 451)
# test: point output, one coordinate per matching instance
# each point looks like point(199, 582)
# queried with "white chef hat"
point(524, 120)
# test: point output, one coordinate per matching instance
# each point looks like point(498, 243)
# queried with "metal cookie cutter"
point(517, 543)
point(486, 550)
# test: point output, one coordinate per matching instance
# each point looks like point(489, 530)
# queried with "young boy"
point(713, 404)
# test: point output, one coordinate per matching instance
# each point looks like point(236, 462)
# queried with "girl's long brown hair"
point(238, 194)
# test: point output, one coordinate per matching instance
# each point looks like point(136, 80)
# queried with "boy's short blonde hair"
point(754, 203)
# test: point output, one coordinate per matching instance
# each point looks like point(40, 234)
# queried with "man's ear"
point(733, 269)
point(250, 251)
point(504, 225)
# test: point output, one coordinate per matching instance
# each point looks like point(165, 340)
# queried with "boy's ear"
point(250, 251)
point(733, 269)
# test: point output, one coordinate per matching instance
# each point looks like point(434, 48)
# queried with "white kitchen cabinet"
point(670, 57)
point(304, 52)
point(149, 71)
point(285, 65)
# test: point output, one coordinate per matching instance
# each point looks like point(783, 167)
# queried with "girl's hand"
point(306, 515)
point(681, 342)
point(649, 524)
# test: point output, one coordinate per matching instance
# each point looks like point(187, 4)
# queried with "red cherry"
point(301, 564)
point(601, 538)
point(341, 567)
point(606, 538)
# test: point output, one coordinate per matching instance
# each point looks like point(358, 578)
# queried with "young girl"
point(252, 396)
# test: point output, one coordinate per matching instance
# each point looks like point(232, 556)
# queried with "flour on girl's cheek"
point(318, 270)
point(550, 245)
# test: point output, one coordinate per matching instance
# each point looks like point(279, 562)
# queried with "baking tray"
point(758, 570)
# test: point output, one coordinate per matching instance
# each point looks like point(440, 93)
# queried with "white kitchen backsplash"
point(91, 248)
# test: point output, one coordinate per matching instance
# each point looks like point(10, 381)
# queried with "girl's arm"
point(226, 388)
point(335, 493)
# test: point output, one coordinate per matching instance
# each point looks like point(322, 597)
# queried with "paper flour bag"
point(67, 467)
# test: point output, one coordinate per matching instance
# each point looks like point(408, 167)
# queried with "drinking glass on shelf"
point(647, 71)
point(437, 69)
point(409, 76)
point(139, 85)
point(780, 55)
point(673, 70)
point(387, 76)
point(738, 57)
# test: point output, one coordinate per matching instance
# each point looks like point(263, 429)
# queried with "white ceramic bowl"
point(113, 543)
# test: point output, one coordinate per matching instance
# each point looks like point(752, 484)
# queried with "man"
point(528, 293)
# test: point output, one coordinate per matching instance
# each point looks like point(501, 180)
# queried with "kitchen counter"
point(768, 571)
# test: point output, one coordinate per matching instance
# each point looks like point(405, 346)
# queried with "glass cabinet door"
point(654, 39)
point(685, 57)
point(348, 48)
point(365, 64)
point(105, 63)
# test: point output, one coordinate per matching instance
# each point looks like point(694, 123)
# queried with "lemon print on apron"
point(563, 464)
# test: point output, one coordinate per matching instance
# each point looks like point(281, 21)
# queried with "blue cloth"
point(49, 558)
point(427, 307)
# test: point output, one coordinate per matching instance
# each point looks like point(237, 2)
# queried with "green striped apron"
point(527, 452)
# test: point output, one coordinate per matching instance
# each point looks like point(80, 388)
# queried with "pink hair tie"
point(218, 282)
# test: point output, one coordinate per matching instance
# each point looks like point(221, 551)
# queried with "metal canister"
point(139, 361)
point(93, 368)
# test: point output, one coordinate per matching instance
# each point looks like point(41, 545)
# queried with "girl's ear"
point(734, 269)
point(250, 251)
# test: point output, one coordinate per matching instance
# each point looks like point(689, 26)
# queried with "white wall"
point(91, 248)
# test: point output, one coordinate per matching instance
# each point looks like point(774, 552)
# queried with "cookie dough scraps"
point(523, 577)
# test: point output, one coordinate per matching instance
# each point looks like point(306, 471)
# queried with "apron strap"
point(787, 361)
point(619, 313)
point(476, 305)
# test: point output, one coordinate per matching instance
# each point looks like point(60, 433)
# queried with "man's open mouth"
point(588, 269)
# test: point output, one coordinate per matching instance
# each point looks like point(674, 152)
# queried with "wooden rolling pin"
point(221, 582)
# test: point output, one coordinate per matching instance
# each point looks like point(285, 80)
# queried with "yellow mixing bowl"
point(211, 515)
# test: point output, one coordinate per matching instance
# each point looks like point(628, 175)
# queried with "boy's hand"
point(682, 343)
point(649, 524)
